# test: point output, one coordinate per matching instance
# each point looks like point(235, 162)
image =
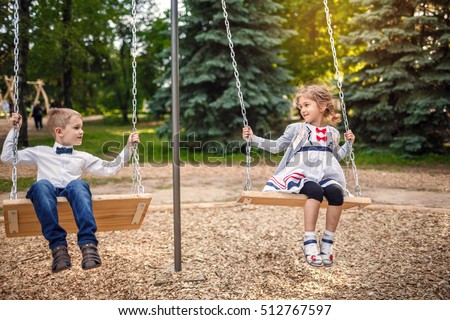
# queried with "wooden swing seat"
point(293, 200)
point(112, 213)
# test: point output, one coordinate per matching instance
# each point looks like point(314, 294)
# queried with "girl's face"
point(72, 134)
point(311, 111)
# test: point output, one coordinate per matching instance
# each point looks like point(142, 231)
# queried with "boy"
point(59, 174)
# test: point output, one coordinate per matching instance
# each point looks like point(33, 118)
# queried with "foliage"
point(98, 38)
point(210, 108)
point(106, 138)
point(401, 93)
point(154, 60)
point(308, 53)
point(396, 51)
point(6, 41)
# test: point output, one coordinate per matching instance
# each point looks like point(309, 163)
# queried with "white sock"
point(327, 242)
point(310, 243)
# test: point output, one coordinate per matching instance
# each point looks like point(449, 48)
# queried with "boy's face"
point(72, 134)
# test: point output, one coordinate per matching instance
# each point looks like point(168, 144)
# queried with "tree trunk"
point(125, 97)
point(67, 62)
point(24, 44)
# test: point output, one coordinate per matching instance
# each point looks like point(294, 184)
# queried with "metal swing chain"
point(341, 97)
point(137, 186)
point(248, 182)
point(13, 194)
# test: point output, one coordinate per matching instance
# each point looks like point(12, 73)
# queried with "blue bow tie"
point(62, 150)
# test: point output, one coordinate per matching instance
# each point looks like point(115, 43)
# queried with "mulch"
point(244, 252)
point(248, 252)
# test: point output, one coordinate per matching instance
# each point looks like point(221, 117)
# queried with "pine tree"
point(308, 53)
point(401, 94)
point(209, 104)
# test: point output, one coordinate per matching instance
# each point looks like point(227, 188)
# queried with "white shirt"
point(60, 169)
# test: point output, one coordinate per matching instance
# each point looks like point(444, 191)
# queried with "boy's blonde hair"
point(323, 97)
point(60, 118)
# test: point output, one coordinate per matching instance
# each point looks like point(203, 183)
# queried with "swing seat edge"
point(293, 200)
point(112, 213)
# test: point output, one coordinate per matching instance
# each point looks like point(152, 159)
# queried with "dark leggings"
point(333, 193)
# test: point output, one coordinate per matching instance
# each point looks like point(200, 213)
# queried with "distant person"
point(37, 114)
point(6, 108)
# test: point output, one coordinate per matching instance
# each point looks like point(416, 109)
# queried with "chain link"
point(136, 175)
point(13, 194)
point(351, 157)
point(248, 182)
point(137, 186)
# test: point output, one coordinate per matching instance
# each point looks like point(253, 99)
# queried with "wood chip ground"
point(244, 252)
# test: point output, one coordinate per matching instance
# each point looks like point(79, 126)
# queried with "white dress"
point(312, 161)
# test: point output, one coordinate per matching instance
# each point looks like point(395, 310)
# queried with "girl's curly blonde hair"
point(323, 97)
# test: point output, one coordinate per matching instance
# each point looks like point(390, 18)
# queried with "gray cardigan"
point(286, 142)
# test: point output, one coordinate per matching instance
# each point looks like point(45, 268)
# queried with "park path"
point(224, 184)
point(420, 187)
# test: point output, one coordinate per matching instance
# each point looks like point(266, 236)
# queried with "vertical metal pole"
point(176, 137)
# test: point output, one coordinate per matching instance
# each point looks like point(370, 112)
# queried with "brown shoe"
point(61, 259)
point(91, 258)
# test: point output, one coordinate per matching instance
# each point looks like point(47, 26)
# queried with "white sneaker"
point(312, 256)
point(327, 258)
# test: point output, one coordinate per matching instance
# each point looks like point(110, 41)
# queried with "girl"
point(310, 166)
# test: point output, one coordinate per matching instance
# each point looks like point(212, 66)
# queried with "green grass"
point(383, 157)
point(22, 184)
point(106, 138)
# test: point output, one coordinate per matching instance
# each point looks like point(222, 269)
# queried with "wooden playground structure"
point(38, 87)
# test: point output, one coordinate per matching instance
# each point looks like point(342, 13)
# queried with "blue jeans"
point(43, 195)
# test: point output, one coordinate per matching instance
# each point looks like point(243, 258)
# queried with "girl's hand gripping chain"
point(133, 140)
point(349, 136)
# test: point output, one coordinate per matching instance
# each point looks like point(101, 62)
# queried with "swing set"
point(124, 212)
point(38, 87)
point(112, 212)
point(286, 199)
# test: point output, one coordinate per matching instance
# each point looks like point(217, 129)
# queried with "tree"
point(84, 57)
point(120, 75)
point(81, 37)
point(68, 41)
point(152, 59)
point(7, 57)
point(45, 57)
point(401, 93)
point(308, 53)
point(66, 59)
point(93, 49)
point(6, 39)
point(209, 105)
point(24, 47)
